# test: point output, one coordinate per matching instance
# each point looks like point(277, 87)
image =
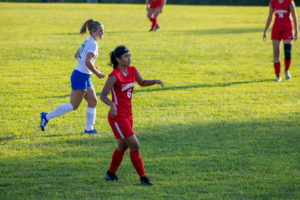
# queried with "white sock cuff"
point(70, 106)
point(89, 109)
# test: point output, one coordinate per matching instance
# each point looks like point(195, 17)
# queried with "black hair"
point(117, 53)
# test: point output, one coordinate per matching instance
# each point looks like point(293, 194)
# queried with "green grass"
point(220, 129)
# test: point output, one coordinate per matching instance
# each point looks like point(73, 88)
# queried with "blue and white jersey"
point(88, 46)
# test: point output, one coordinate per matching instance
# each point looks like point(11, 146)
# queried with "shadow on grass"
point(198, 32)
point(106, 32)
point(6, 139)
point(218, 31)
point(182, 87)
point(222, 158)
point(66, 33)
point(200, 86)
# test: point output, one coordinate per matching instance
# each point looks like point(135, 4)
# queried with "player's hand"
point(113, 111)
point(265, 37)
point(100, 75)
point(160, 82)
point(296, 36)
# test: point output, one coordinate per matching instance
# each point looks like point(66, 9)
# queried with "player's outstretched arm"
point(144, 83)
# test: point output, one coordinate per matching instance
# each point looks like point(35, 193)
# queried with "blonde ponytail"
point(90, 24)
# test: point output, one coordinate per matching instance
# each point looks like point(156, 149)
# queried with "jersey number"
point(129, 93)
point(81, 50)
point(280, 15)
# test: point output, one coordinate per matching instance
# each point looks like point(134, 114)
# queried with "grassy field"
point(220, 129)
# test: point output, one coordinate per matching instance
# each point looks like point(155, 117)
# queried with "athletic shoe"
point(94, 131)
point(287, 75)
point(156, 27)
point(278, 79)
point(111, 176)
point(44, 120)
point(145, 181)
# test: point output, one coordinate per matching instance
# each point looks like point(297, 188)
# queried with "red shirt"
point(122, 91)
point(282, 13)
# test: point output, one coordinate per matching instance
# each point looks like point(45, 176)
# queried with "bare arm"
point(93, 68)
point(110, 82)
point(293, 11)
point(144, 83)
point(269, 20)
point(164, 3)
point(76, 54)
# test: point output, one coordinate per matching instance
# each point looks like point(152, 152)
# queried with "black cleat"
point(145, 181)
point(111, 176)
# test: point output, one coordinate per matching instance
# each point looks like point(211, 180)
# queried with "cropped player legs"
point(288, 57)
point(92, 101)
point(76, 98)
point(276, 57)
point(134, 146)
point(123, 144)
point(150, 16)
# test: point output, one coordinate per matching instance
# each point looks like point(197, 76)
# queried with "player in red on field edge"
point(282, 30)
point(156, 7)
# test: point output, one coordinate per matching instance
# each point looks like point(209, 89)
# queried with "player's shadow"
point(66, 33)
point(106, 32)
point(218, 31)
point(183, 87)
point(201, 86)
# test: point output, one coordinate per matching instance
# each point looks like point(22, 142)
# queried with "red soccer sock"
point(116, 161)
point(287, 64)
point(277, 69)
point(154, 23)
point(137, 162)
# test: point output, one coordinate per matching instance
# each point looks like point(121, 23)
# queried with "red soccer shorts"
point(282, 33)
point(156, 4)
point(121, 127)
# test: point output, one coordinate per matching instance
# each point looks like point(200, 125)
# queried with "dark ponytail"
point(91, 25)
point(113, 60)
point(117, 53)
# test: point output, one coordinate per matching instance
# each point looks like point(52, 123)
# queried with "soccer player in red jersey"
point(156, 7)
point(282, 30)
point(121, 83)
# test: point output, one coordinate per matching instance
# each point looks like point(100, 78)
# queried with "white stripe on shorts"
point(119, 130)
point(115, 96)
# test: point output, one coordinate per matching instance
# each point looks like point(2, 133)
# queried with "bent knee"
point(93, 103)
point(75, 107)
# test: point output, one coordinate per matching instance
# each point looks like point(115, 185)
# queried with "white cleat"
point(287, 75)
point(278, 79)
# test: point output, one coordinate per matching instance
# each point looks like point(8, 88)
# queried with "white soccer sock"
point(90, 118)
point(60, 110)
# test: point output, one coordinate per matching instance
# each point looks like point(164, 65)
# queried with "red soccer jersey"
point(282, 13)
point(122, 91)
